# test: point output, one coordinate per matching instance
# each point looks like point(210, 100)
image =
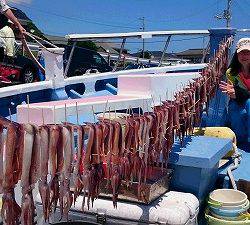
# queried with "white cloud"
point(20, 1)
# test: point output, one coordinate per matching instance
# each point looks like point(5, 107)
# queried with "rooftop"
point(57, 40)
point(192, 51)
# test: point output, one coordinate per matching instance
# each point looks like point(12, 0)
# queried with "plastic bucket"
point(238, 218)
point(229, 212)
point(216, 221)
point(229, 207)
point(227, 197)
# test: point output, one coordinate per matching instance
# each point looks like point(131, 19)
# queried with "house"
point(57, 40)
point(158, 54)
point(107, 47)
point(171, 58)
point(194, 55)
point(102, 47)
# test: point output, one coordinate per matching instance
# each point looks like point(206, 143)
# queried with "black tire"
point(78, 72)
point(28, 75)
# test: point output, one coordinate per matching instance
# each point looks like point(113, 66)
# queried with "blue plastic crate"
point(196, 164)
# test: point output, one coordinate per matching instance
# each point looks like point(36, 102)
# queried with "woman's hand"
point(9, 14)
point(21, 29)
point(228, 89)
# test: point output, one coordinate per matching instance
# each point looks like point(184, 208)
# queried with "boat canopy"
point(143, 35)
point(243, 30)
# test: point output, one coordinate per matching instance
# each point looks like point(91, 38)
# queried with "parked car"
point(29, 70)
point(23, 70)
point(139, 66)
point(84, 61)
point(19, 69)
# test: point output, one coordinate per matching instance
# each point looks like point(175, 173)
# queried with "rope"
point(34, 37)
point(32, 56)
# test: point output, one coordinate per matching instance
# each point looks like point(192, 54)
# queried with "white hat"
point(243, 44)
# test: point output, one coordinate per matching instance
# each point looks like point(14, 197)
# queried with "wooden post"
point(54, 114)
point(42, 116)
point(105, 109)
point(28, 102)
point(77, 114)
point(10, 115)
point(92, 107)
point(65, 112)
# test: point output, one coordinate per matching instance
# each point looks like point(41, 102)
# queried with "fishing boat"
point(112, 100)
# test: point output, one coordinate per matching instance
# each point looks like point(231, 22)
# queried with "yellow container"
point(219, 132)
point(216, 221)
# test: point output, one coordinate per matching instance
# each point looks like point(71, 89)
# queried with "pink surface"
point(35, 116)
point(142, 84)
point(84, 100)
point(43, 112)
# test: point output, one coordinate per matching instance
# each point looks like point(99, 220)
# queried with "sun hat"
point(243, 44)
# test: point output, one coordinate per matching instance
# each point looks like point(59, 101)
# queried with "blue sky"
point(60, 17)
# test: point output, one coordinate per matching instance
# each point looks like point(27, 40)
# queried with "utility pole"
point(227, 14)
point(143, 29)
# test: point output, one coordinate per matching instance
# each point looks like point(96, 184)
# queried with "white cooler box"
point(173, 208)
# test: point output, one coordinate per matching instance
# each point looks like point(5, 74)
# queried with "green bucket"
point(215, 221)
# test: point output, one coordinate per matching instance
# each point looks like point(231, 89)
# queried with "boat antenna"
point(227, 14)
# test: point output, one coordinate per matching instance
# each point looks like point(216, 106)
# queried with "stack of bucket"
point(228, 206)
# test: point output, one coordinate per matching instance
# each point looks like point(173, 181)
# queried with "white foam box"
point(159, 86)
point(172, 208)
point(50, 112)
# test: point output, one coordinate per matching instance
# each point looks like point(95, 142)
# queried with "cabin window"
point(97, 59)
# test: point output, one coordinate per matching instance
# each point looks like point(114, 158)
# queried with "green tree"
point(147, 54)
point(85, 44)
point(31, 27)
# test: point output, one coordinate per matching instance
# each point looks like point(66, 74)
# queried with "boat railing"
point(124, 36)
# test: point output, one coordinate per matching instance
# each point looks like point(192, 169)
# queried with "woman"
point(3, 23)
point(238, 89)
point(7, 39)
point(5, 9)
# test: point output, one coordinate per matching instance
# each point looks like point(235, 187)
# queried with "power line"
point(79, 19)
point(196, 13)
point(242, 9)
point(246, 2)
point(51, 32)
point(132, 42)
